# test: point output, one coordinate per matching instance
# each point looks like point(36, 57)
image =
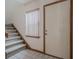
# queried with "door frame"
point(71, 26)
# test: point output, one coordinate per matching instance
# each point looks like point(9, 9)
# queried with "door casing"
point(71, 26)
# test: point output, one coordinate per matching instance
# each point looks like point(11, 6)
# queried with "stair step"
point(16, 37)
point(12, 33)
point(8, 41)
point(15, 42)
point(8, 25)
point(9, 50)
point(11, 30)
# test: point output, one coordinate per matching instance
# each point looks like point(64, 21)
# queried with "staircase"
point(14, 42)
point(17, 47)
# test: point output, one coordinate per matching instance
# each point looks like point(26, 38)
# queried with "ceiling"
point(24, 1)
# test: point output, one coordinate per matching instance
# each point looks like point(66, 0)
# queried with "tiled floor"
point(28, 54)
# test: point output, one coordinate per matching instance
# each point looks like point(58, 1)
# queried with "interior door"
point(57, 29)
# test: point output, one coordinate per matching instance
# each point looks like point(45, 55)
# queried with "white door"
point(57, 26)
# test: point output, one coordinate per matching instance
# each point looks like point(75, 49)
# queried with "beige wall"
point(19, 21)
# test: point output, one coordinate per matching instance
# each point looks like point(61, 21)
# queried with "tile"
point(52, 58)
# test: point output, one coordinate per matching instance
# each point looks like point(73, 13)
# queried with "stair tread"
point(15, 48)
point(12, 33)
point(10, 30)
point(9, 27)
point(13, 37)
point(15, 42)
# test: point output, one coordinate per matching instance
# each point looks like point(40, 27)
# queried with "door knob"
point(45, 33)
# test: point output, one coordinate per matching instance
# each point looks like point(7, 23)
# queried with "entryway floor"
point(29, 54)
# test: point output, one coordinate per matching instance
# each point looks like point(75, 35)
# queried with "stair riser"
point(13, 45)
point(11, 31)
point(13, 38)
point(13, 35)
point(13, 41)
point(10, 28)
point(15, 48)
point(8, 41)
point(15, 52)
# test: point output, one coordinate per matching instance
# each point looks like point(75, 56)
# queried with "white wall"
point(8, 20)
point(10, 7)
point(20, 22)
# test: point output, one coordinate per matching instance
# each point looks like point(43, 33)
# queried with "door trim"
point(71, 26)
